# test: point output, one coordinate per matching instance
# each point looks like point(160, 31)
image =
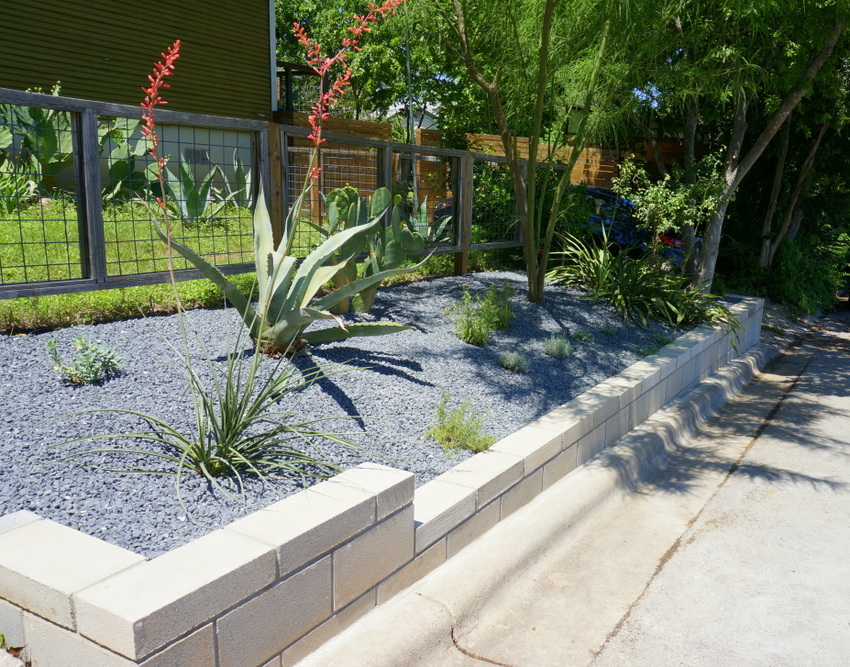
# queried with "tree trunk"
point(737, 167)
point(790, 210)
point(767, 226)
point(688, 231)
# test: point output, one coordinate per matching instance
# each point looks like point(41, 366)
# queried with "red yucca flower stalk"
point(323, 64)
point(161, 69)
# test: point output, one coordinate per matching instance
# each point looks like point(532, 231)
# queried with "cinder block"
point(12, 624)
point(149, 606)
point(50, 645)
point(15, 519)
point(330, 628)
point(277, 661)
point(561, 466)
point(43, 563)
point(489, 473)
point(367, 559)
point(428, 560)
point(475, 526)
point(194, 650)
point(618, 426)
point(591, 444)
point(262, 627)
point(572, 420)
point(308, 524)
point(439, 507)
point(534, 444)
point(522, 493)
point(393, 488)
point(603, 401)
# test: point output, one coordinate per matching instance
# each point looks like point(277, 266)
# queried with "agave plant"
point(287, 304)
point(387, 246)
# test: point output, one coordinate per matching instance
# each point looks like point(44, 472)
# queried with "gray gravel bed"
point(392, 385)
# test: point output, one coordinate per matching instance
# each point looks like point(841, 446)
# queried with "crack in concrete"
point(455, 641)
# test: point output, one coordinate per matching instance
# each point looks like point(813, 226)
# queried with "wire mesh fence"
point(79, 191)
point(39, 224)
point(209, 178)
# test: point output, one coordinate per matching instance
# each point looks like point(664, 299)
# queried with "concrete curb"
point(445, 604)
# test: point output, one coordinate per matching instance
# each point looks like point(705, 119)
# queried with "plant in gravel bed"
point(583, 336)
point(513, 361)
point(455, 429)
point(660, 339)
point(495, 307)
point(638, 289)
point(558, 347)
point(239, 429)
point(93, 363)
point(609, 331)
point(286, 305)
point(470, 326)
point(647, 351)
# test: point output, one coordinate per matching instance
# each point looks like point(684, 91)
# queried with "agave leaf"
point(231, 292)
point(319, 257)
point(289, 327)
point(358, 330)
point(353, 288)
point(280, 268)
point(320, 276)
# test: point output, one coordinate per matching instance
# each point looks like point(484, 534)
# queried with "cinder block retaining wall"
point(270, 588)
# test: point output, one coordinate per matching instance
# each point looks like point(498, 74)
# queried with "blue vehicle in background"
point(614, 216)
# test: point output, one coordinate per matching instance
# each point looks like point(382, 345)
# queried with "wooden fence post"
point(92, 243)
point(463, 211)
point(277, 207)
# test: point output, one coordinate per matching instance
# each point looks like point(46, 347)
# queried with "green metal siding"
point(104, 50)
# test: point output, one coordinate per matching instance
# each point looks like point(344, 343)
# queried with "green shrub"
point(455, 429)
point(638, 289)
point(514, 361)
point(496, 307)
point(93, 363)
point(558, 347)
point(609, 331)
point(647, 351)
point(470, 325)
point(583, 336)
point(660, 339)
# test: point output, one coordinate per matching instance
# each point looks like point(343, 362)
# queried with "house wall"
point(103, 50)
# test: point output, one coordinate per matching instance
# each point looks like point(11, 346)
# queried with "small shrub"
point(609, 331)
point(558, 347)
point(647, 351)
point(514, 361)
point(455, 429)
point(583, 336)
point(470, 326)
point(496, 307)
point(660, 339)
point(93, 363)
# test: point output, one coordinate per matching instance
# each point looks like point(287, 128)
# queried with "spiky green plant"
point(240, 429)
point(286, 306)
point(583, 336)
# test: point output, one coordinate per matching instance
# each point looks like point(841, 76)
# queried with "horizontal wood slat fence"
point(76, 189)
